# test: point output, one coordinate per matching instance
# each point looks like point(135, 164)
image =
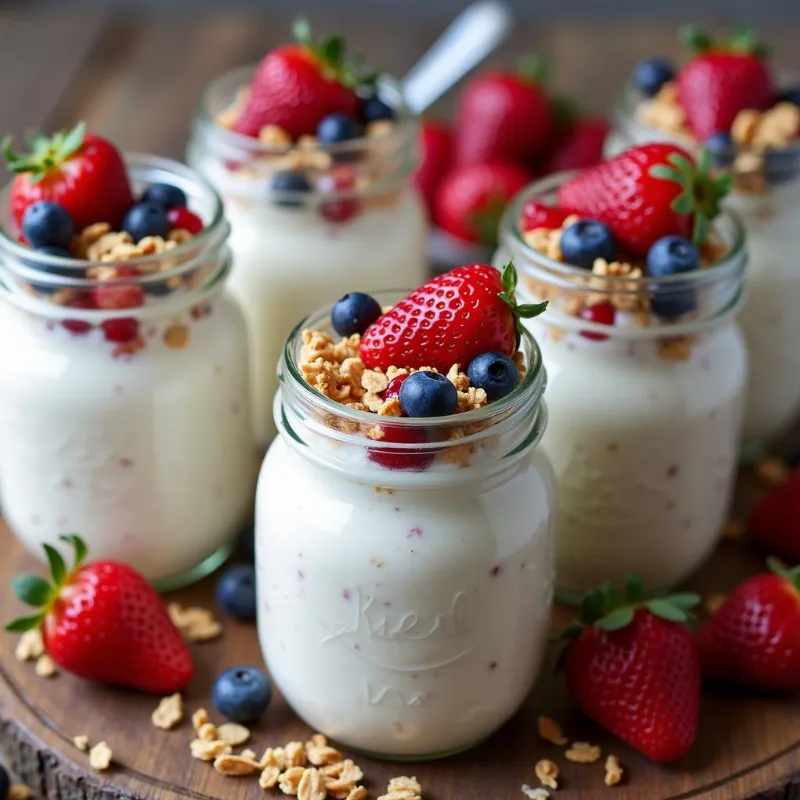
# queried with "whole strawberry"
point(754, 639)
point(296, 85)
point(435, 151)
point(505, 116)
point(450, 319)
point(470, 200)
point(581, 146)
point(103, 622)
point(632, 667)
point(80, 171)
point(648, 192)
point(774, 521)
point(723, 79)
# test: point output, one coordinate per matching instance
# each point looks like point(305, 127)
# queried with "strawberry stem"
point(33, 590)
point(701, 194)
point(47, 153)
point(743, 40)
point(533, 68)
point(520, 312)
point(791, 574)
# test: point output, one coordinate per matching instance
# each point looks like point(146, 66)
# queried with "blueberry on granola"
point(354, 313)
point(165, 194)
point(337, 128)
point(672, 255)
point(428, 394)
point(288, 187)
point(146, 219)
point(242, 694)
point(586, 240)
point(374, 109)
point(651, 74)
point(47, 224)
point(495, 373)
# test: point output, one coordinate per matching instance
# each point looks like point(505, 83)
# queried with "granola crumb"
point(195, 623)
point(168, 713)
point(311, 786)
point(381, 127)
point(772, 471)
point(233, 734)
point(547, 773)
point(275, 136)
point(199, 718)
point(45, 666)
point(357, 793)
point(81, 741)
point(30, 645)
point(203, 750)
point(208, 732)
point(583, 753)
point(269, 777)
point(677, 348)
point(535, 794)
point(614, 771)
point(176, 336)
point(550, 731)
point(714, 602)
point(100, 757)
point(19, 791)
point(248, 754)
point(403, 788)
point(236, 766)
point(290, 780)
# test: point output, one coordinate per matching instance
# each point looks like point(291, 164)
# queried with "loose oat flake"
point(403, 788)
point(269, 777)
point(311, 786)
point(199, 718)
point(613, 771)
point(30, 645)
point(550, 731)
point(169, 712)
point(45, 666)
point(583, 753)
point(81, 741)
point(233, 734)
point(196, 624)
point(290, 780)
point(237, 766)
point(100, 756)
point(208, 751)
point(547, 773)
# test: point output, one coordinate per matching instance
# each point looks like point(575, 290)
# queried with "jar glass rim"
point(389, 89)
point(533, 382)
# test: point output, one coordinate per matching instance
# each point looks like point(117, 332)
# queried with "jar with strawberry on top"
point(124, 405)
point(405, 517)
point(728, 98)
point(646, 367)
point(313, 157)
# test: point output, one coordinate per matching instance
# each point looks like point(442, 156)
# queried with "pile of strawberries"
point(508, 130)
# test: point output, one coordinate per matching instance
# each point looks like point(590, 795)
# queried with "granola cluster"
point(607, 284)
point(30, 647)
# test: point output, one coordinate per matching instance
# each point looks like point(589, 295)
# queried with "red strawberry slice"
point(80, 171)
point(536, 214)
point(450, 320)
point(754, 639)
point(646, 193)
point(435, 145)
point(504, 116)
point(722, 80)
point(296, 85)
point(774, 521)
point(632, 667)
point(471, 200)
point(103, 622)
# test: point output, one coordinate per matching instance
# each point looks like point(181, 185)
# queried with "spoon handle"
point(472, 36)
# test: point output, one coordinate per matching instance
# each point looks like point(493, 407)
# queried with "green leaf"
point(570, 632)
point(681, 163)
point(509, 277)
point(666, 173)
point(531, 310)
point(32, 589)
point(634, 589)
point(700, 231)
point(22, 624)
point(682, 204)
point(779, 568)
point(723, 184)
point(685, 600)
point(704, 161)
point(532, 67)
point(593, 606)
point(78, 545)
point(301, 28)
point(696, 39)
point(58, 569)
point(333, 50)
point(617, 619)
point(662, 608)
point(71, 142)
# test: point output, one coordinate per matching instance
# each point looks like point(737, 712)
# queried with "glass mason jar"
point(404, 612)
point(766, 195)
point(129, 427)
point(361, 225)
point(644, 421)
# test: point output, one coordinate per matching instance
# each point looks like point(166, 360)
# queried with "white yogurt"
point(769, 320)
point(404, 613)
point(291, 259)
point(644, 446)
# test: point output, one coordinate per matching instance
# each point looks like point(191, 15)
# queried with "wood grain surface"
point(137, 80)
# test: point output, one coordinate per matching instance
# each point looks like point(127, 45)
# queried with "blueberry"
point(337, 128)
point(672, 255)
point(236, 592)
point(651, 74)
point(165, 194)
point(374, 109)
point(146, 219)
point(790, 95)
point(157, 288)
point(495, 373)
point(241, 694)
point(428, 394)
point(288, 185)
point(781, 166)
point(5, 783)
point(47, 224)
point(721, 147)
point(584, 241)
point(354, 313)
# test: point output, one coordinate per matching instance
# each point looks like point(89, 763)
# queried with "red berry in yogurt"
point(181, 218)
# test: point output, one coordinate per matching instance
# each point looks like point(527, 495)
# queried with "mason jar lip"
point(532, 382)
point(135, 162)
point(405, 123)
point(564, 275)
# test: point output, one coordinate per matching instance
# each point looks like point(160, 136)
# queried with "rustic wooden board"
point(748, 746)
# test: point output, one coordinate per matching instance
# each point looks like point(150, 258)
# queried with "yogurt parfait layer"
point(646, 368)
point(405, 517)
point(313, 158)
point(728, 98)
point(124, 404)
